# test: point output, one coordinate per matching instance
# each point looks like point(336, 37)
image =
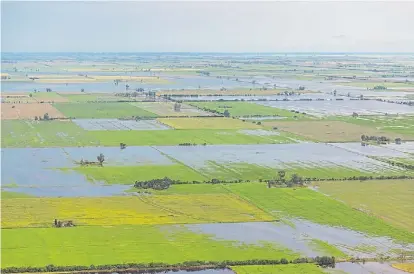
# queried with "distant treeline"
point(324, 261)
point(281, 181)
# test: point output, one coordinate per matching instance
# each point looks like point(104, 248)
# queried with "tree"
point(101, 158)
point(30, 95)
point(354, 114)
point(282, 175)
point(226, 113)
point(122, 145)
point(46, 116)
point(301, 88)
point(334, 92)
point(82, 90)
point(363, 137)
point(398, 141)
point(126, 86)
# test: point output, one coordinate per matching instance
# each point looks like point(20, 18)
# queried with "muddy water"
point(297, 235)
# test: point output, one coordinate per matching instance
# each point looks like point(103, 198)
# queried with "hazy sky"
point(207, 26)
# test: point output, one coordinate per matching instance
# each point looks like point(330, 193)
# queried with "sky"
point(120, 26)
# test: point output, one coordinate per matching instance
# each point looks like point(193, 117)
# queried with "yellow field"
point(407, 267)
point(207, 123)
point(168, 209)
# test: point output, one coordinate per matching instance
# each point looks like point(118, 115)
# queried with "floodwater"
point(297, 235)
point(407, 147)
point(306, 155)
point(371, 150)
point(174, 82)
point(346, 107)
point(115, 124)
point(42, 172)
point(367, 268)
point(40, 175)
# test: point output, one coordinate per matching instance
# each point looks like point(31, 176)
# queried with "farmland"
point(241, 109)
point(101, 110)
point(389, 200)
point(160, 159)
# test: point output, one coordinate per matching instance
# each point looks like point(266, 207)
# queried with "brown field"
point(225, 92)
point(28, 111)
point(329, 131)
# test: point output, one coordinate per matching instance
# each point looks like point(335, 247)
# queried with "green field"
point(11, 195)
point(318, 208)
point(403, 125)
point(129, 174)
point(17, 133)
point(101, 110)
point(246, 171)
point(287, 269)
point(390, 200)
point(122, 244)
point(237, 109)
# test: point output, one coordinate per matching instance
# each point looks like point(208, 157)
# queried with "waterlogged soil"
point(115, 124)
point(345, 108)
point(366, 268)
point(298, 235)
point(304, 155)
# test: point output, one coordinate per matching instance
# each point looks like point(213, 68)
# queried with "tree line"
point(324, 261)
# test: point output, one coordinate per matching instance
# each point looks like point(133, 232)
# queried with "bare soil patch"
point(28, 111)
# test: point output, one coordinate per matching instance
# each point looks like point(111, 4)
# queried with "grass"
point(237, 109)
point(143, 209)
point(122, 244)
point(11, 195)
point(390, 200)
point(130, 174)
point(175, 137)
point(288, 269)
point(43, 134)
point(207, 123)
point(318, 208)
point(101, 110)
point(330, 131)
point(67, 134)
point(406, 267)
point(188, 189)
point(403, 126)
point(326, 248)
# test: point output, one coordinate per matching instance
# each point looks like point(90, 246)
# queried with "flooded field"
point(115, 124)
point(367, 268)
point(300, 235)
point(346, 107)
point(373, 150)
point(305, 155)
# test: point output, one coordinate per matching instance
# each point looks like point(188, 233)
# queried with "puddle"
point(298, 237)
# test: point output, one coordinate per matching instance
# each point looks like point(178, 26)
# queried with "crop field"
point(390, 200)
point(95, 245)
point(28, 111)
point(43, 134)
point(346, 107)
point(332, 131)
point(283, 174)
point(160, 209)
point(240, 109)
point(207, 123)
point(318, 208)
point(167, 109)
point(115, 124)
point(402, 125)
point(101, 110)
